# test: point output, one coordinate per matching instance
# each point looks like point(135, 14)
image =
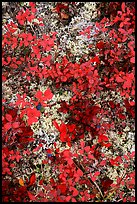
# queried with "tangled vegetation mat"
point(68, 102)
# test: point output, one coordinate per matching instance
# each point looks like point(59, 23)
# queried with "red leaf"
point(75, 192)
point(111, 103)
point(31, 196)
point(121, 116)
point(102, 138)
point(41, 182)
point(107, 144)
point(30, 139)
point(8, 117)
point(121, 25)
point(62, 187)
point(3, 78)
point(44, 161)
point(96, 59)
point(9, 59)
point(113, 162)
point(123, 6)
point(79, 172)
point(90, 156)
point(30, 37)
point(48, 94)
point(63, 132)
point(119, 79)
point(97, 173)
point(127, 84)
point(106, 182)
point(32, 179)
point(95, 109)
point(132, 60)
point(31, 4)
point(38, 94)
point(132, 181)
point(132, 103)
point(63, 137)
point(74, 200)
point(59, 6)
point(15, 125)
point(68, 198)
point(103, 163)
point(71, 127)
point(18, 62)
point(34, 69)
point(66, 153)
point(70, 161)
point(93, 178)
point(82, 144)
point(87, 148)
point(56, 125)
point(25, 131)
point(100, 44)
point(18, 157)
point(63, 78)
point(7, 126)
point(11, 152)
point(81, 151)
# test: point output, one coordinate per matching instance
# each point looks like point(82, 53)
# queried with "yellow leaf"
point(64, 15)
point(21, 182)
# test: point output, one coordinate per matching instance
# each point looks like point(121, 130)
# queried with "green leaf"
point(42, 110)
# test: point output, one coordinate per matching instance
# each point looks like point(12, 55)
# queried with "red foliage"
point(32, 179)
point(33, 115)
point(105, 183)
point(111, 68)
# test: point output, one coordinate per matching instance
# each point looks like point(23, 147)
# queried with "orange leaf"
point(21, 182)
point(54, 10)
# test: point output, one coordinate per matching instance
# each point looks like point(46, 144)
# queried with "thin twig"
point(97, 187)
point(93, 183)
point(119, 200)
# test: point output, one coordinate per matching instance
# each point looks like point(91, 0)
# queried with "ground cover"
point(68, 82)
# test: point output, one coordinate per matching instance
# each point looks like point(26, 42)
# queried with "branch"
point(79, 166)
